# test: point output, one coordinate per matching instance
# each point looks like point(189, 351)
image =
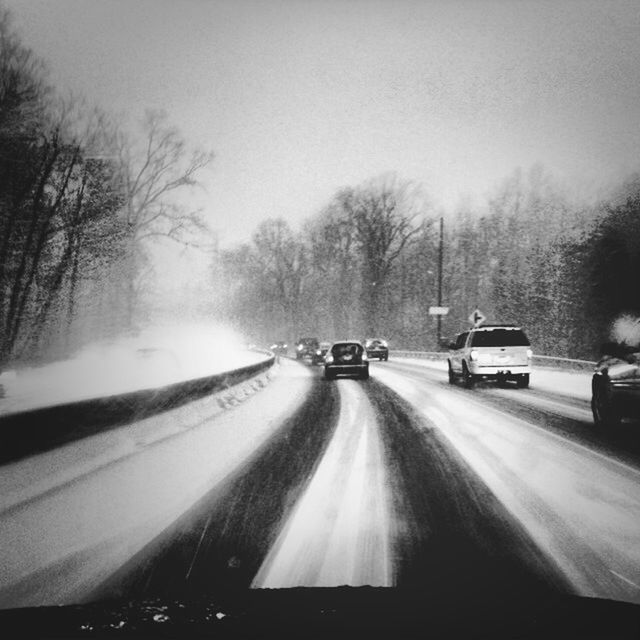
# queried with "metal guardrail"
point(564, 363)
point(35, 430)
point(427, 355)
point(545, 361)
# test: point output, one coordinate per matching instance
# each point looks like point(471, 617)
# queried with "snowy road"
point(402, 480)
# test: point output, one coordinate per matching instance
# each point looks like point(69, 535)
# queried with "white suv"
point(501, 352)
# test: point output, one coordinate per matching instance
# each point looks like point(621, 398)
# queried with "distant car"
point(279, 348)
point(615, 385)
point(306, 348)
point(377, 348)
point(346, 358)
point(321, 352)
point(499, 352)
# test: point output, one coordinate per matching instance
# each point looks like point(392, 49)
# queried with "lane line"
point(630, 582)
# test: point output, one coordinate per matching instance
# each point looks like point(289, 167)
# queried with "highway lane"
point(401, 480)
point(339, 531)
point(356, 489)
point(71, 517)
point(579, 504)
point(557, 411)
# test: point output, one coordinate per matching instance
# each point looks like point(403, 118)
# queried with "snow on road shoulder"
point(63, 542)
point(105, 371)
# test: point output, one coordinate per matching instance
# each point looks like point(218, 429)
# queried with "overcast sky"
point(298, 98)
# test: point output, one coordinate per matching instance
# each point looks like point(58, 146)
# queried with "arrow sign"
point(477, 318)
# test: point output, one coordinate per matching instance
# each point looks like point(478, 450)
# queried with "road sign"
point(438, 311)
point(477, 318)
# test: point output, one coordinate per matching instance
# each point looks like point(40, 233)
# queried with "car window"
point(187, 186)
point(346, 349)
point(500, 338)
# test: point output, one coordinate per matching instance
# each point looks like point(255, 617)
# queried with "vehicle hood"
point(343, 612)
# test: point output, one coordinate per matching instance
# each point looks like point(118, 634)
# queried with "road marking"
point(630, 582)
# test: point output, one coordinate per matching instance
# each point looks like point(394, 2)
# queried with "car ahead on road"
point(615, 385)
point(306, 348)
point(500, 352)
point(377, 348)
point(346, 358)
point(321, 352)
point(279, 348)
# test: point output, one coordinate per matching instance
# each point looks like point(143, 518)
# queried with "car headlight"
point(364, 355)
point(299, 347)
point(529, 354)
point(328, 359)
point(473, 355)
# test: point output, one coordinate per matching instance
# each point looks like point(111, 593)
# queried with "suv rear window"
point(500, 338)
point(352, 348)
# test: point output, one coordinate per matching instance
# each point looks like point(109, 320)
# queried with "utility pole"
point(440, 310)
point(440, 255)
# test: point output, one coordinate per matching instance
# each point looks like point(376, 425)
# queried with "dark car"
point(321, 352)
point(306, 348)
point(615, 385)
point(377, 348)
point(279, 348)
point(346, 358)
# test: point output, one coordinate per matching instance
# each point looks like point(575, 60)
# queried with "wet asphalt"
point(449, 535)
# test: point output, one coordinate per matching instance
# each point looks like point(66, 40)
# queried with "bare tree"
point(281, 258)
point(385, 213)
point(152, 174)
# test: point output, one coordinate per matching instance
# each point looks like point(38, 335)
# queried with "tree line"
point(81, 201)
point(367, 265)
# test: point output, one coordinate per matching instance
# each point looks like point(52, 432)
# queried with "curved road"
point(401, 480)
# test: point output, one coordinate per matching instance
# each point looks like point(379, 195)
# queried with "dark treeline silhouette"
point(367, 265)
point(80, 201)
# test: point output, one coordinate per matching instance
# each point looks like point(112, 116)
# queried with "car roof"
point(496, 326)
point(347, 342)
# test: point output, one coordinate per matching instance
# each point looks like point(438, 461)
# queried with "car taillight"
point(529, 354)
point(364, 355)
point(299, 347)
point(329, 359)
point(473, 355)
